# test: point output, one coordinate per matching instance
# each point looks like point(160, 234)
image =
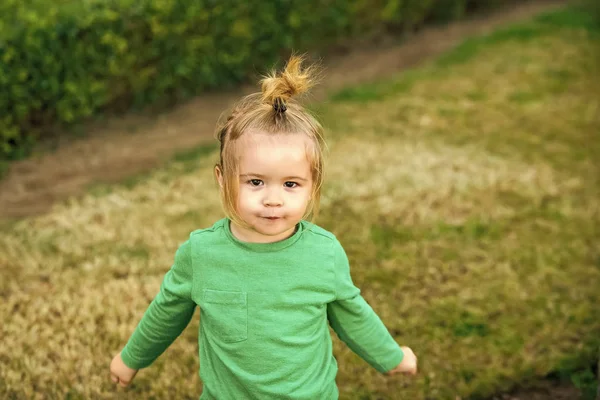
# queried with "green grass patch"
point(580, 371)
point(379, 90)
point(573, 17)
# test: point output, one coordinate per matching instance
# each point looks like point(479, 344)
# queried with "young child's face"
point(275, 185)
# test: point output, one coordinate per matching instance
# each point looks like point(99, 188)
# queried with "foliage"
point(64, 61)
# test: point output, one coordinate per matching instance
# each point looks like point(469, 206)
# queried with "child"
point(266, 280)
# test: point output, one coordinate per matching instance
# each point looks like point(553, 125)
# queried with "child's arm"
point(360, 328)
point(164, 320)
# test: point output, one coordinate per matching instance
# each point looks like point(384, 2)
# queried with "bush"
point(62, 60)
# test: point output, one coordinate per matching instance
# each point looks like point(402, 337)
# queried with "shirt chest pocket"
point(225, 314)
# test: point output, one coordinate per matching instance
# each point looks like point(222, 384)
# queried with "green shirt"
point(264, 309)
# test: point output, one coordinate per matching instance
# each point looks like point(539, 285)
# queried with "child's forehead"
point(259, 138)
point(273, 152)
point(263, 144)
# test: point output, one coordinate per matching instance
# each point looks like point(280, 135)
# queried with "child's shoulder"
point(319, 231)
point(216, 227)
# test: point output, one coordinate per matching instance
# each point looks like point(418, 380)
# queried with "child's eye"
point(255, 182)
point(290, 184)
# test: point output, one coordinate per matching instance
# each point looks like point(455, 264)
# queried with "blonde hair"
point(273, 111)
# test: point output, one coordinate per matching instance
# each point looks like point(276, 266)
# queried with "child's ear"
point(219, 176)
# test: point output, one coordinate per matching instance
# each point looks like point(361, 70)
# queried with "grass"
point(466, 195)
point(544, 24)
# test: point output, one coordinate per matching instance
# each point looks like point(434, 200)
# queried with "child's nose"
point(273, 199)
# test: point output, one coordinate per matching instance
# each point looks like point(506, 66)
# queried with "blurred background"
point(462, 179)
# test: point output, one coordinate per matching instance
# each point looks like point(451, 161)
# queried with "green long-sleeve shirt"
point(264, 309)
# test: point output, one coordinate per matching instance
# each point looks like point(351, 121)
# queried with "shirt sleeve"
point(166, 317)
point(355, 322)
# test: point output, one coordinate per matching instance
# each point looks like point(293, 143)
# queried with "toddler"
point(266, 280)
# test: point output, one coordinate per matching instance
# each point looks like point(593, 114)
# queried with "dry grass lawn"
point(466, 194)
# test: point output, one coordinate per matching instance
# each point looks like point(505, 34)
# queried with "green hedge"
point(64, 60)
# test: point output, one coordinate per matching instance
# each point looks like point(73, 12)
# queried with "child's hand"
point(121, 373)
point(408, 364)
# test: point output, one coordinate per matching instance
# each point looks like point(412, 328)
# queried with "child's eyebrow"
point(287, 178)
point(252, 175)
point(295, 178)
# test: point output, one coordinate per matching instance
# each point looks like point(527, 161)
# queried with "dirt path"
point(130, 145)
